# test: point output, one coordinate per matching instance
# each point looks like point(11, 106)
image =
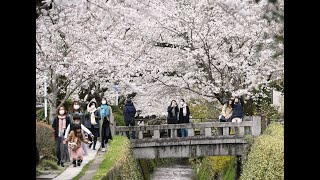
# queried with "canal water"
point(180, 170)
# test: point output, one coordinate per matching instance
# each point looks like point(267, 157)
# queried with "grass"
point(46, 164)
point(116, 150)
point(84, 170)
point(230, 172)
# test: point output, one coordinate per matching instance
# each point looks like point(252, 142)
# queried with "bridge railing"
point(163, 120)
point(249, 125)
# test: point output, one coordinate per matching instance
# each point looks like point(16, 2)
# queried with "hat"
point(76, 116)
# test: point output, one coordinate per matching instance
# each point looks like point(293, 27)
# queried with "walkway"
point(71, 172)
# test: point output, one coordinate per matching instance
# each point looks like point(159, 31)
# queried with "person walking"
point(59, 124)
point(129, 112)
point(92, 122)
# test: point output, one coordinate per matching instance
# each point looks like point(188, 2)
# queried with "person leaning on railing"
point(173, 112)
point(226, 112)
point(237, 111)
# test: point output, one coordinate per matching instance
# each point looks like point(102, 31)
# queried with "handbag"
point(72, 145)
point(222, 118)
point(132, 120)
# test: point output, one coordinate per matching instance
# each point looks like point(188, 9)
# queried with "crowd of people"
point(232, 111)
point(78, 130)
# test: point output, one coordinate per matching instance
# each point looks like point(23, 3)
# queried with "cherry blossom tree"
point(159, 50)
point(76, 44)
point(211, 48)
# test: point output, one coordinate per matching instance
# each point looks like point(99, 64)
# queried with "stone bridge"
point(204, 139)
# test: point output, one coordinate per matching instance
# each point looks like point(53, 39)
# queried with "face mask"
point(104, 102)
point(181, 103)
point(76, 106)
point(61, 111)
point(93, 106)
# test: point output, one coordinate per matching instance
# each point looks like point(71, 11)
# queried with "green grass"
point(46, 164)
point(115, 152)
point(84, 170)
point(230, 172)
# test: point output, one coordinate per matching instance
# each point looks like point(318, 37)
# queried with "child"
point(75, 138)
point(77, 120)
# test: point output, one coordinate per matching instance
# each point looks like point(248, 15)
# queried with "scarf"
point(92, 117)
point(104, 110)
point(184, 109)
point(62, 124)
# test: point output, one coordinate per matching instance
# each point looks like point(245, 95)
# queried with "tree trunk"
point(53, 99)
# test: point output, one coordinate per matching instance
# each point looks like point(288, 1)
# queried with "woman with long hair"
point(92, 122)
point(74, 140)
point(59, 124)
point(184, 114)
point(77, 109)
point(173, 112)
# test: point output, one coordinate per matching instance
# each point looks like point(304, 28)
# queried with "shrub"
point(40, 115)
point(45, 139)
point(266, 157)
point(118, 115)
point(215, 166)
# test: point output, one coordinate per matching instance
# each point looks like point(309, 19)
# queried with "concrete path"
point(72, 172)
point(94, 165)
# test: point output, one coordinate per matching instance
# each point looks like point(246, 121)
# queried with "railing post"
point(207, 131)
point(173, 133)
point(190, 132)
point(140, 135)
point(225, 131)
point(241, 131)
point(256, 127)
point(156, 134)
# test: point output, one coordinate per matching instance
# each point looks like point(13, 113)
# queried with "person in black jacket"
point(184, 114)
point(76, 109)
point(173, 112)
point(92, 121)
point(59, 124)
point(129, 112)
point(237, 111)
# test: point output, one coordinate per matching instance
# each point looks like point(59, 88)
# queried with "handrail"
point(251, 122)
